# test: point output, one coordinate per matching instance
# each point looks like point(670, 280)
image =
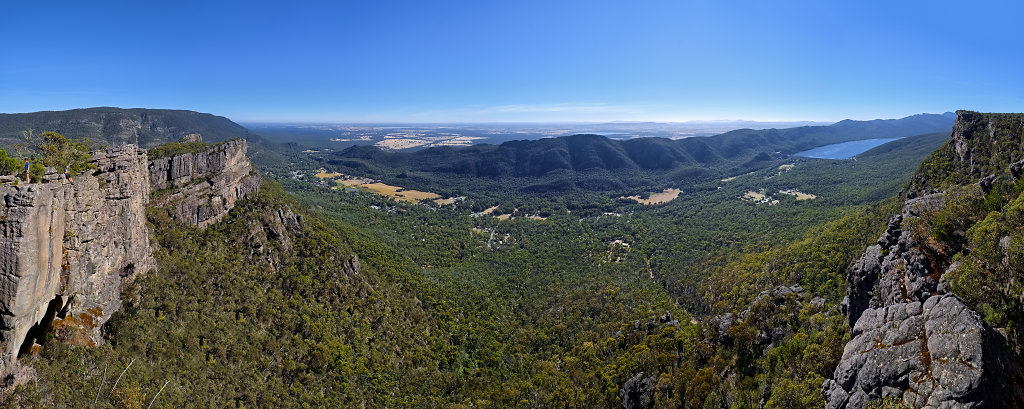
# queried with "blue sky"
point(479, 61)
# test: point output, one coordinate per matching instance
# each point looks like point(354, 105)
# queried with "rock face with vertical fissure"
point(67, 249)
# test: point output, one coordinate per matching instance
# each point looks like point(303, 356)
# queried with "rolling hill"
point(117, 126)
point(737, 150)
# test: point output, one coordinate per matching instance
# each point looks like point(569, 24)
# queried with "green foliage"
point(961, 207)
point(57, 151)
point(177, 148)
point(36, 172)
point(237, 320)
point(789, 394)
point(989, 276)
point(8, 165)
point(887, 403)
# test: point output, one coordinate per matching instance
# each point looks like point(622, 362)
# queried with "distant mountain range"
point(584, 152)
point(117, 126)
point(151, 127)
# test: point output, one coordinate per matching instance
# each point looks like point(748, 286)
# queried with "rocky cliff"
point(199, 188)
point(914, 338)
point(66, 249)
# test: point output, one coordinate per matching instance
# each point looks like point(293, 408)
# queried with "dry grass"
point(396, 144)
point(383, 189)
point(754, 196)
point(324, 175)
point(415, 195)
point(442, 202)
point(798, 194)
point(665, 196)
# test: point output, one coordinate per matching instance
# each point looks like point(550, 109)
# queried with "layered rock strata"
point(199, 188)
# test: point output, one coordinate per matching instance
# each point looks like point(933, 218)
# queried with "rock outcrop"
point(199, 188)
point(912, 339)
point(638, 392)
point(67, 249)
point(898, 268)
point(936, 354)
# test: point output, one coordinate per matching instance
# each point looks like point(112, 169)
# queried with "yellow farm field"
point(383, 189)
point(396, 192)
point(754, 196)
point(324, 175)
point(798, 194)
point(665, 196)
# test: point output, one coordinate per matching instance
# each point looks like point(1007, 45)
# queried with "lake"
point(845, 150)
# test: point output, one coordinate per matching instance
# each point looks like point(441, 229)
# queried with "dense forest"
point(317, 295)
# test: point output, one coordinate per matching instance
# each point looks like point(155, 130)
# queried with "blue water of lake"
point(845, 150)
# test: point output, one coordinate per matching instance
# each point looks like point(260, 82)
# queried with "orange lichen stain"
point(75, 329)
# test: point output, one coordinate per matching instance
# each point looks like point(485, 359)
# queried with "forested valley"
point(529, 289)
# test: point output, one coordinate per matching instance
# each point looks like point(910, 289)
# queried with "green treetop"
point(58, 151)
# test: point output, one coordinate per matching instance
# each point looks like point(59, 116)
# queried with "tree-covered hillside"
point(736, 151)
point(116, 126)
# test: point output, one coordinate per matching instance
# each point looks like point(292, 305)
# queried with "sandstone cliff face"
point(107, 241)
point(66, 250)
point(199, 188)
point(912, 338)
point(31, 258)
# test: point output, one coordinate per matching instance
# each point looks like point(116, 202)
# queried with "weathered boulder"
point(192, 137)
point(937, 354)
point(31, 258)
point(913, 339)
point(107, 241)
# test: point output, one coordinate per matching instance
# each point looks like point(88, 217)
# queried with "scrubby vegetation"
point(177, 148)
point(50, 149)
point(8, 165)
point(59, 152)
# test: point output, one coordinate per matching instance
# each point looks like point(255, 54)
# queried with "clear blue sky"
point(437, 61)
